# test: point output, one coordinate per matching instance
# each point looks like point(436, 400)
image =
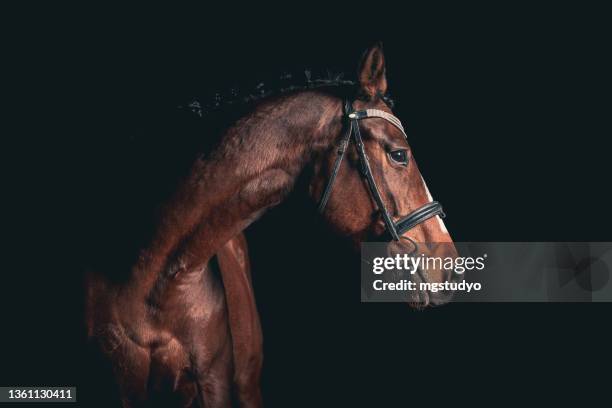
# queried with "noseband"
point(395, 229)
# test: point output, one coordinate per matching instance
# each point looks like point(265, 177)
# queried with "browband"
point(377, 113)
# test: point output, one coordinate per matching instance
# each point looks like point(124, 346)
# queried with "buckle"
point(356, 115)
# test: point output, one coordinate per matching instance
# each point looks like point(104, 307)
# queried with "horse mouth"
point(418, 298)
point(428, 293)
point(432, 293)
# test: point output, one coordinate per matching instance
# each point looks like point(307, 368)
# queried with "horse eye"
point(399, 156)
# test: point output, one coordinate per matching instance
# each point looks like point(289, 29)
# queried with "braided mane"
point(285, 83)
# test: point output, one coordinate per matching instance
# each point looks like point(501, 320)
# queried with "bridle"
point(395, 229)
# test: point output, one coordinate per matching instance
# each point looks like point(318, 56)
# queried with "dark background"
point(507, 111)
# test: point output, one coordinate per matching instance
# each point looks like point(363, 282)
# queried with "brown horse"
point(168, 330)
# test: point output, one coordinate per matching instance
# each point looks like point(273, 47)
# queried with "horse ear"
point(371, 72)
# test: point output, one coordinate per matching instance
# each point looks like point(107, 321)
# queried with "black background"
point(507, 111)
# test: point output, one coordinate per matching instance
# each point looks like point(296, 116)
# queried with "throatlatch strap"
point(341, 150)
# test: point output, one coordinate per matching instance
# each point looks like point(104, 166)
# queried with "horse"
point(167, 330)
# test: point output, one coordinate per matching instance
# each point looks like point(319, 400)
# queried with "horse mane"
point(285, 83)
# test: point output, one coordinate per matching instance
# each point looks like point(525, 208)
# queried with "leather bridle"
point(395, 229)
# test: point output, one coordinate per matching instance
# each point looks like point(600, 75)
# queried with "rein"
point(353, 133)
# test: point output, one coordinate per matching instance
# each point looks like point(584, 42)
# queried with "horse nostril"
point(406, 246)
point(415, 246)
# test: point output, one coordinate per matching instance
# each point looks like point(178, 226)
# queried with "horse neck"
point(253, 169)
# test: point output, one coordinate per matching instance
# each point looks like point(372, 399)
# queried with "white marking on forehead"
point(430, 198)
